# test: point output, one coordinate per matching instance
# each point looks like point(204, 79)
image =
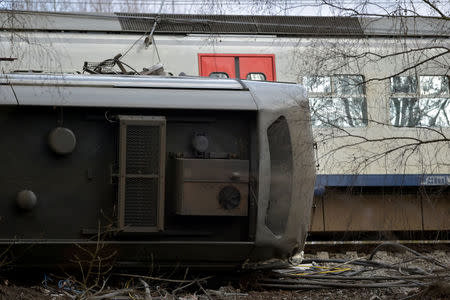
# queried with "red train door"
point(243, 66)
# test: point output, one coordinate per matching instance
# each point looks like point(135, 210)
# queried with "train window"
point(318, 84)
point(404, 84)
point(219, 75)
point(342, 112)
point(404, 112)
point(423, 102)
point(281, 175)
point(256, 76)
point(348, 85)
point(433, 85)
point(337, 100)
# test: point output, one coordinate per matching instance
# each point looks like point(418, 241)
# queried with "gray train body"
point(174, 170)
point(359, 188)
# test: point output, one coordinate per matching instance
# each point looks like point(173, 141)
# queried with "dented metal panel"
point(293, 105)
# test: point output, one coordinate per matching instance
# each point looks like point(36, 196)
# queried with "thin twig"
point(162, 279)
point(204, 291)
point(109, 295)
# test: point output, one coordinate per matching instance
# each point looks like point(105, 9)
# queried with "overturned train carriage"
point(174, 170)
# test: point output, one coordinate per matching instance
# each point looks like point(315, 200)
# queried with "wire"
point(430, 259)
point(311, 279)
point(161, 6)
point(151, 31)
point(324, 271)
point(366, 263)
point(135, 42)
point(283, 283)
point(374, 278)
point(13, 91)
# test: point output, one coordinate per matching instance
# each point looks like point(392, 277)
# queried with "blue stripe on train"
point(340, 180)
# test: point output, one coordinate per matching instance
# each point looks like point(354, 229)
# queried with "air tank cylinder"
point(26, 199)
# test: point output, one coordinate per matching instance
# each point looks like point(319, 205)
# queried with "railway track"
point(367, 246)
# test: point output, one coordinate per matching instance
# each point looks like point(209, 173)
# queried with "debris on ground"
point(409, 276)
point(378, 275)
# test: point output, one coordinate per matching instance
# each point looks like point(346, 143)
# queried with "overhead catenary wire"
point(153, 30)
point(150, 34)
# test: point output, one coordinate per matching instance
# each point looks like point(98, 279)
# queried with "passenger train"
point(381, 141)
point(143, 166)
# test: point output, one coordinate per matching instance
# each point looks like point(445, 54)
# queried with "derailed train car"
point(399, 193)
point(175, 170)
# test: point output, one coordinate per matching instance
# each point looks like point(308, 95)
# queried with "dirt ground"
point(242, 287)
point(439, 291)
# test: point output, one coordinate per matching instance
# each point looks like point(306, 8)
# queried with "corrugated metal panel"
point(309, 25)
point(280, 25)
point(187, 23)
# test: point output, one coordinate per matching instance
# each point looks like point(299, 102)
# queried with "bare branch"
point(436, 9)
point(419, 63)
point(360, 13)
point(382, 56)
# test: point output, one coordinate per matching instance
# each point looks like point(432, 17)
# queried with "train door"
point(243, 66)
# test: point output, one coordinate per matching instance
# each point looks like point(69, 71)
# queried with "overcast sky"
point(272, 7)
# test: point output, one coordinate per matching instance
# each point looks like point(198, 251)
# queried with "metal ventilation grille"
point(141, 203)
point(143, 149)
point(279, 25)
point(298, 25)
point(141, 173)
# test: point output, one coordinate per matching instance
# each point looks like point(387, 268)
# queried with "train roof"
point(131, 91)
point(121, 81)
point(226, 24)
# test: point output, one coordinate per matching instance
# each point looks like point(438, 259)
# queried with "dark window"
point(256, 76)
point(219, 75)
point(423, 102)
point(280, 148)
point(337, 100)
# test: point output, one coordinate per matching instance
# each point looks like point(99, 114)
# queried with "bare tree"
point(388, 65)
